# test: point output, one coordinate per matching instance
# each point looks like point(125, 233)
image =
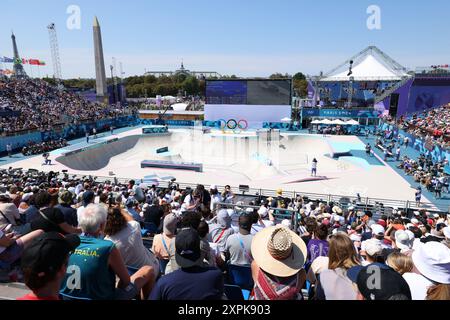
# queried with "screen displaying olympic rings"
point(233, 124)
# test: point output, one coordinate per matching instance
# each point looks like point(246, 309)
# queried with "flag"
point(33, 62)
point(18, 61)
point(7, 60)
point(41, 63)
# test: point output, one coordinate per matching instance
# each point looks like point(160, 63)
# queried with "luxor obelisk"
point(100, 73)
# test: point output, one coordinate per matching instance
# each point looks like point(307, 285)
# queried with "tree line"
point(151, 86)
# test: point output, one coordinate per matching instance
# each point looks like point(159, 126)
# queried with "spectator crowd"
point(432, 126)
point(67, 237)
point(43, 106)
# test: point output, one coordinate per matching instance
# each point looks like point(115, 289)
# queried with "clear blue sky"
point(242, 37)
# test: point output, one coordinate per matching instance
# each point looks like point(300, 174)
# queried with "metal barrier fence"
point(376, 205)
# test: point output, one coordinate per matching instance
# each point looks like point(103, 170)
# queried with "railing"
point(376, 205)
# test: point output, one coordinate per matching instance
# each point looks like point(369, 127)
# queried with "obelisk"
point(100, 73)
point(19, 71)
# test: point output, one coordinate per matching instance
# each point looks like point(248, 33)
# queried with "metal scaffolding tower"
point(55, 52)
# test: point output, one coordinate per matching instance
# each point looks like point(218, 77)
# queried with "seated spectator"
point(221, 230)
point(131, 211)
point(391, 284)
point(400, 262)
point(334, 282)
point(238, 245)
point(65, 206)
point(50, 219)
point(318, 245)
point(277, 269)
point(164, 244)
point(94, 265)
point(125, 233)
point(208, 254)
point(10, 215)
point(12, 246)
point(153, 214)
point(44, 264)
point(192, 281)
point(88, 198)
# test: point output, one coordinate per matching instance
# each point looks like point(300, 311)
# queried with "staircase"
point(391, 90)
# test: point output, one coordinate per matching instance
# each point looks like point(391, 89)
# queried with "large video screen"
point(248, 92)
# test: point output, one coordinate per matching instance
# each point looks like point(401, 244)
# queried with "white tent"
point(327, 121)
point(339, 122)
point(286, 119)
point(316, 122)
point(370, 64)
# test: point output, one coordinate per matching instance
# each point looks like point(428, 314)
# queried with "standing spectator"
point(418, 196)
point(277, 269)
point(192, 281)
point(111, 129)
point(44, 264)
point(87, 136)
point(9, 149)
point(397, 154)
point(94, 132)
point(314, 168)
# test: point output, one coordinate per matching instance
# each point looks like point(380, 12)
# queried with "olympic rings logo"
point(232, 124)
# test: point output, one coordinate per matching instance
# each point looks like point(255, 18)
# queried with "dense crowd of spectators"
point(81, 239)
point(43, 147)
point(42, 106)
point(432, 126)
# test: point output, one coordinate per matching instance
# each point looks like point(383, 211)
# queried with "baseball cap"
point(377, 229)
point(187, 248)
point(404, 239)
point(48, 252)
point(373, 248)
point(170, 224)
point(390, 283)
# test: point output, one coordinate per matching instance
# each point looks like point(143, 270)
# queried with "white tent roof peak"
point(370, 64)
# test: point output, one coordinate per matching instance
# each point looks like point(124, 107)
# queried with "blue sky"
point(242, 37)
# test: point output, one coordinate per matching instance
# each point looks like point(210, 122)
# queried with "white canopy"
point(370, 64)
point(286, 119)
point(339, 122)
point(352, 123)
point(316, 122)
point(327, 121)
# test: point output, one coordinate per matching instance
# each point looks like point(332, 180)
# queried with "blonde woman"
point(400, 262)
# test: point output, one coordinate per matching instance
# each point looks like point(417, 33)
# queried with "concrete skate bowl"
point(131, 149)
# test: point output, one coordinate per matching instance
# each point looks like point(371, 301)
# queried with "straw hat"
point(279, 251)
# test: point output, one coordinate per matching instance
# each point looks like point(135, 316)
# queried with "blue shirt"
point(194, 283)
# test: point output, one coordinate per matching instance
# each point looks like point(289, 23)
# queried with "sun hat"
point(65, 197)
point(279, 251)
point(279, 192)
point(432, 259)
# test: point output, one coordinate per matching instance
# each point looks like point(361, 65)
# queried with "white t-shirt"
point(418, 285)
point(134, 254)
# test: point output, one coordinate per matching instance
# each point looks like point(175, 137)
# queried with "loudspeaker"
point(162, 150)
point(393, 108)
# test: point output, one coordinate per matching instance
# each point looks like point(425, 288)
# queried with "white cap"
point(263, 212)
point(414, 221)
point(373, 248)
point(377, 229)
point(404, 239)
point(249, 210)
point(436, 215)
point(432, 259)
point(416, 213)
point(286, 223)
point(230, 212)
point(213, 187)
point(355, 237)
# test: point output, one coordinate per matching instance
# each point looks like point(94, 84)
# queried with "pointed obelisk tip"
point(96, 24)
